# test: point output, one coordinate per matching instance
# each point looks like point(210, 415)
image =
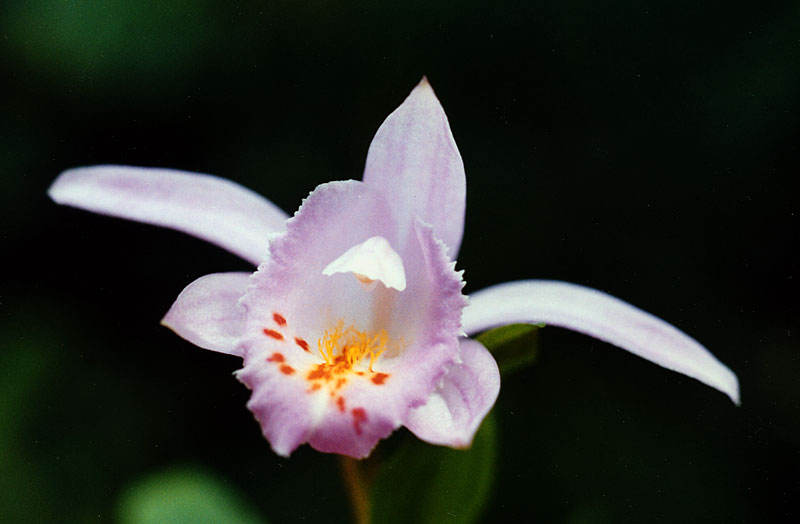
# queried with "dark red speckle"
point(287, 370)
point(279, 319)
point(340, 403)
point(379, 378)
point(320, 372)
point(359, 417)
point(276, 357)
point(272, 333)
point(302, 343)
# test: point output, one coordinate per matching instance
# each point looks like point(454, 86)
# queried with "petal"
point(281, 406)
point(601, 316)
point(357, 418)
point(414, 161)
point(430, 313)
point(212, 208)
point(207, 312)
point(454, 412)
point(291, 304)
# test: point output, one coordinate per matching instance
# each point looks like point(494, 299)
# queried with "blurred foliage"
point(24, 486)
point(429, 484)
point(184, 495)
point(432, 484)
point(513, 346)
point(103, 43)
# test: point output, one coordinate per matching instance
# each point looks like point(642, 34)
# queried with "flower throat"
point(347, 346)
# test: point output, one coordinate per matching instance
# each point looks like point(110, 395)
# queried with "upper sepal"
point(413, 159)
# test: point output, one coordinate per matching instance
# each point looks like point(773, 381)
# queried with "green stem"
point(356, 489)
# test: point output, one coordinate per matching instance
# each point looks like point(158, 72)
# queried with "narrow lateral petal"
point(414, 161)
point(207, 313)
point(454, 412)
point(601, 316)
point(208, 207)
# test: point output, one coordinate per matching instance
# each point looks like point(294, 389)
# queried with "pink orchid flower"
point(354, 323)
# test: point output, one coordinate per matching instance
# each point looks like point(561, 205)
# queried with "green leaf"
point(513, 346)
point(185, 496)
point(422, 483)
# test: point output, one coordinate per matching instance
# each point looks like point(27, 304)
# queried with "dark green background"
point(648, 149)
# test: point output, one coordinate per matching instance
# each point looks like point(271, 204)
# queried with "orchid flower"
point(354, 323)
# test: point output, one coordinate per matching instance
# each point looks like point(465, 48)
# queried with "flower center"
point(344, 347)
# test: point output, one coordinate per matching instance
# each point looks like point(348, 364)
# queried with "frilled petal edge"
point(208, 207)
point(207, 312)
point(601, 316)
point(454, 412)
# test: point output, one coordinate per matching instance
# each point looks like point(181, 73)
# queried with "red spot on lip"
point(340, 403)
point(272, 333)
point(316, 387)
point(379, 379)
point(320, 372)
point(276, 357)
point(302, 343)
point(279, 319)
point(287, 370)
point(359, 417)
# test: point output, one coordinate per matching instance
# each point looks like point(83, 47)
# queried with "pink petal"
point(454, 412)
point(207, 312)
point(369, 412)
point(348, 420)
point(414, 161)
point(291, 303)
point(430, 314)
point(601, 316)
point(280, 404)
point(212, 208)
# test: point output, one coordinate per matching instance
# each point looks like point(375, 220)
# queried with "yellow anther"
point(348, 346)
